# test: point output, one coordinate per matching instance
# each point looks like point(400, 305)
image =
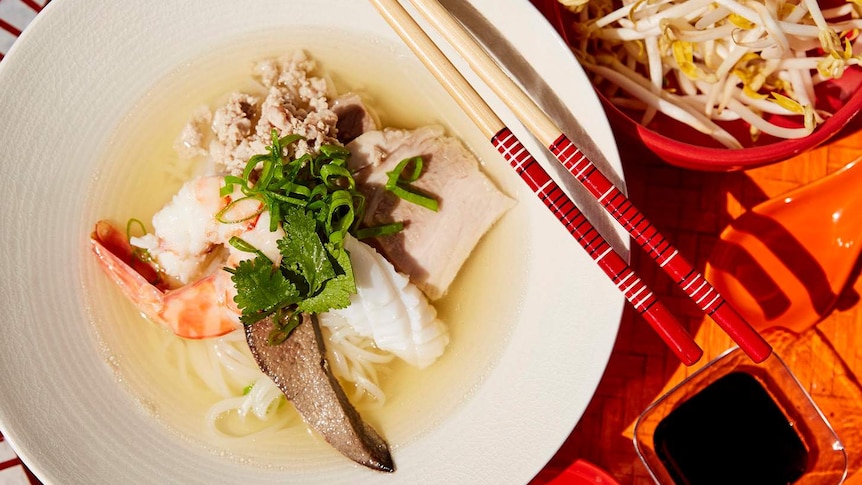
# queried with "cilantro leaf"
point(302, 250)
point(337, 290)
point(261, 289)
point(316, 200)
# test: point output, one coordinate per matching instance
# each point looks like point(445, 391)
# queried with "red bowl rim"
point(687, 155)
point(691, 156)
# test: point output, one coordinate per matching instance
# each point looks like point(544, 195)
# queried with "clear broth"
point(140, 172)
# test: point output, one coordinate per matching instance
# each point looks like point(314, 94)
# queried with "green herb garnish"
point(378, 231)
point(399, 184)
point(141, 259)
point(262, 289)
point(315, 200)
point(283, 325)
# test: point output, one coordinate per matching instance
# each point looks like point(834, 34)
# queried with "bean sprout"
point(702, 61)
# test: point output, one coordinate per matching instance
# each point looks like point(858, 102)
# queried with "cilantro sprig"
point(316, 201)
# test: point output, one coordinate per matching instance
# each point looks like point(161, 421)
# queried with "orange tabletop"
point(692, 208)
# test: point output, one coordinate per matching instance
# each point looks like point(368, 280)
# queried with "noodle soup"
point(174, 379)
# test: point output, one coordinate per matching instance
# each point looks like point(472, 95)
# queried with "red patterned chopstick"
point(635, 290)
point(693, 284)
point(555, 199)
point(691, 281)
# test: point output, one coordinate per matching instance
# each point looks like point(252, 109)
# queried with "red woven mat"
point(692, 208)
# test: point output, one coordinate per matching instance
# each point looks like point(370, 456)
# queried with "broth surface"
point(140, 172)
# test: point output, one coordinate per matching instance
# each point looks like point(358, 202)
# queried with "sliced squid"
point(390, 309)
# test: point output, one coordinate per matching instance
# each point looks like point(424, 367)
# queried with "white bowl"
point(81, 401)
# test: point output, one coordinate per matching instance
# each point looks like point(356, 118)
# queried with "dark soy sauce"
point(731, 432)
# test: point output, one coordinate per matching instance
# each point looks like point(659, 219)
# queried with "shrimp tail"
point(202, 309)
point(117, 243)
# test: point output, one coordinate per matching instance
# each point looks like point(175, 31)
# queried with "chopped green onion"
point(288, 139)
point(222, 215)
point(140, 254)
point(266, 173)
point(252, 164)
point(335, 151)
point(229, 182)
point(378, 231)
point(359, 205)
point(340, 217)
point(316, 199)
point(334, 177)
point(318, 193)
point(416, 162)
point(134, 222)
point(288, 200)
point(282, 327)
point(414, 197)
point(291, 187)
point(246, 247)
point(394, 184)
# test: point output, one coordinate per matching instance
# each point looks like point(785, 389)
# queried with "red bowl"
point(681, 145)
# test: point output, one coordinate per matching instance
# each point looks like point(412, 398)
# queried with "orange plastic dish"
point(787, 261)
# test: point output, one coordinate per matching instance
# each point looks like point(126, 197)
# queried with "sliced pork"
point(292, 101)
point(354, 118)
point(433, 245)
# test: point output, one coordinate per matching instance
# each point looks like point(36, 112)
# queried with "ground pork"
point(293, 101)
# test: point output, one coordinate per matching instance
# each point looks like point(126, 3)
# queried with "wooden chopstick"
point(635, 290)
point(693, 284)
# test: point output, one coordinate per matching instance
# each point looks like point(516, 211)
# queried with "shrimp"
point(191, 295)
point(390, 309)
point(198, 310)
point(194, 298)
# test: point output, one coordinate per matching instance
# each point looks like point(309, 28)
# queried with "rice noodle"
point(248, 397)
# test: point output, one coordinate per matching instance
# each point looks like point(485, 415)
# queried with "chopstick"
point(558, 202)
point(692, 283)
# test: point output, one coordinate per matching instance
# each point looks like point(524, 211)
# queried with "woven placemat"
point(692, 208)
point(15, 15)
